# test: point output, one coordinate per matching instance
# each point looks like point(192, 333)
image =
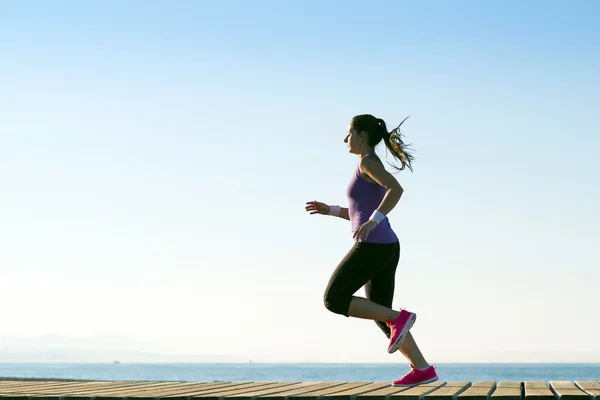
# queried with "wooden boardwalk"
point(119, 390)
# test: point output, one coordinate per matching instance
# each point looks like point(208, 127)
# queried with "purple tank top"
point(363, 198)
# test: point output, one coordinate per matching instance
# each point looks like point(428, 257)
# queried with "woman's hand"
point(363, 231)
point(315, 207)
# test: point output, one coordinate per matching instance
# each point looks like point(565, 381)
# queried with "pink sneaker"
point(400, 327)
point(416, 377)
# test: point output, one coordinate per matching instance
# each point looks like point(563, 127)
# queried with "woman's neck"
point(365, 152)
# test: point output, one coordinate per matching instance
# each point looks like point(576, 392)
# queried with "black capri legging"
point(372, 265)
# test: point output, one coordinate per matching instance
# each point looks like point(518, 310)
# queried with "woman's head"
point(366, 131)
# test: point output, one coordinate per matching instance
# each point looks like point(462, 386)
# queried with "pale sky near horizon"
point(156, 157)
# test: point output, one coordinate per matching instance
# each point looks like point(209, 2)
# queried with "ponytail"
point(393, 140)
point(395, 144)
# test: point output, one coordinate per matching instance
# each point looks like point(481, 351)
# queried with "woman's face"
point(353, 140)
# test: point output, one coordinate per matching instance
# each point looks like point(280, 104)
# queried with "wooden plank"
point(248, 388)
point(32, 388)
point(509, 384)
point(94, 385)
point(20, 386)
point(15, 384)
point(24, 380)
point(214, 385)
point(566, 390)
point(35, 381)
point(56, 390)
point(117, 386)
point(275, 387)
point(417, 392)
point(312, 387)
point(58, 394)
point(37, 391)
point(479, 390)
point(323, 392)
point(120, 392)
point(90, 391)
point(590, 387)
point(507, 390)
point(449, 391)
point(147, 392)
point(93, 389)
point(194, 388)
point(135, 392)
point(104, 390)
point(86, 392)
point(228, 387)
point(64, 388)
point(269, 391)
point(347, 394)
point(537, 390)
point(213, 389)
point(381, 394)
point(175, 389)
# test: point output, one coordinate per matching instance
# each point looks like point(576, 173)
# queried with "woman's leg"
point(359, 265)
point(411, 351)
point(380, 290)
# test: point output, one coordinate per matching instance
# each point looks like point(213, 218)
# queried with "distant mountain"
point(37, 355)
point(98, 349)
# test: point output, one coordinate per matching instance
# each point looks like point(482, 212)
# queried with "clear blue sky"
point(155, 159)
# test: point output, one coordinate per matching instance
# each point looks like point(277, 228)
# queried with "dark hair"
point(377, 130)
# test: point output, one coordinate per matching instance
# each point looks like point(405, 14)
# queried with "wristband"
point(334, 210)
point(377, 217)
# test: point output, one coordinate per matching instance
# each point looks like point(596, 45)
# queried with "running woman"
point(371, 262)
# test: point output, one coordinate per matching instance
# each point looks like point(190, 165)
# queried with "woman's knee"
point(337, 304)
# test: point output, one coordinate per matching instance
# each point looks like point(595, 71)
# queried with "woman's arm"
point(317, 207)
point(344, 213)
